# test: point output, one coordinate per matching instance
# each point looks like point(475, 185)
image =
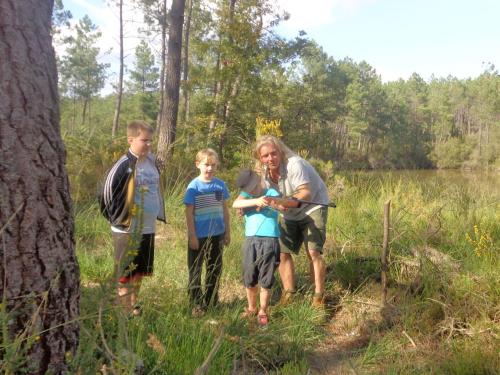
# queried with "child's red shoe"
point(262, 319)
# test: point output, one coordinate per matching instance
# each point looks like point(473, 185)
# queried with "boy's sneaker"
point(137, 310)
point(197, 311)
point(247, 314)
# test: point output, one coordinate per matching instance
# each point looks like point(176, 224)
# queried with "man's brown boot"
point(286, 297)
point(318, 300)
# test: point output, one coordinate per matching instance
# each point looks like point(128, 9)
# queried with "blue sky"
point(396, 37)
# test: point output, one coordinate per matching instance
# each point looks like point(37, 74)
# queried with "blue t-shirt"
point(208, 201)
point(263, 223)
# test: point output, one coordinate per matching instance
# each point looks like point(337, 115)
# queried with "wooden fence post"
point(385, 246)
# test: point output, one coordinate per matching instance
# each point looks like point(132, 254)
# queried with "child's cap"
point(248, 180)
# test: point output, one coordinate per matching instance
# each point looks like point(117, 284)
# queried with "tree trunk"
point(218, 87)
point(73, 123)
point(216, 94)
point(164, 25)
point(480, 136)
point(84, 111)
point(39, 275)
point(234, 91)
point(90, 115)
point(185, 70)
point(168, 125)
point(116, 118)
point(227, 108)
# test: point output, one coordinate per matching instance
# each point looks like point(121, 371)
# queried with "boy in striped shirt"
point(207, 220)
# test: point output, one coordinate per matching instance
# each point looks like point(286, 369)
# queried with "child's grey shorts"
point(261, 257)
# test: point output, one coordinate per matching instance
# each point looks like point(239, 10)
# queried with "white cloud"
point(88, 6)
point(315, 13)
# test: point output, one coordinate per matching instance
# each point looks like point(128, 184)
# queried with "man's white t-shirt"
point(294, 173)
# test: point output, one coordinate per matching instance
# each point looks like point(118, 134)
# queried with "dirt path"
point(348, 332)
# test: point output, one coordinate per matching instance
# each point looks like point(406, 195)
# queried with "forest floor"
point(348, 331)
point(442, 314)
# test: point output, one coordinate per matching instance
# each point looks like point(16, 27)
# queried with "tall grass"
point(452, 316)
point(458, 216)
point(166, 339)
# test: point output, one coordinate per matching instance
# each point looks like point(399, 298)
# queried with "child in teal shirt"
point(261, 250)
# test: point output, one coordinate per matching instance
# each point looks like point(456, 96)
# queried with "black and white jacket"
point(116, 197)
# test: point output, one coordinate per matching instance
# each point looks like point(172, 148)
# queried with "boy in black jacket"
point(132, 201)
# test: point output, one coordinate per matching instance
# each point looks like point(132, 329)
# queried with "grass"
point(449, 318)
point(166, 339)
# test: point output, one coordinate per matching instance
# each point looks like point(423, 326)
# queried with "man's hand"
point(262, 202)
point(274, 205)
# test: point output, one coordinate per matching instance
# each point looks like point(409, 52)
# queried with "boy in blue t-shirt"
point(261, 250)
point(207, 219)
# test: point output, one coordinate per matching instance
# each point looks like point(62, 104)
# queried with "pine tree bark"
point(39, 275)
point(168, 125)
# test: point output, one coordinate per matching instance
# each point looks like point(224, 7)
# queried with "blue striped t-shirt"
point(208, 201)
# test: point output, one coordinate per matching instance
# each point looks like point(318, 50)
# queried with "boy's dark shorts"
point(134, 255)
point(311, 231)
point(261, 256)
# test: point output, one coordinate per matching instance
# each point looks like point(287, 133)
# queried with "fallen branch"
point(408, 263)
point(352, 366)
point(409, 339)
point(362, 303)
point(436, 257)
point(385, 251)
point(203, 369)
point(108, 351)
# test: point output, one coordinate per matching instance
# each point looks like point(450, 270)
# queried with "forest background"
point(237, 71)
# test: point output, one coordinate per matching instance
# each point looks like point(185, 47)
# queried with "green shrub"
point(452, 153)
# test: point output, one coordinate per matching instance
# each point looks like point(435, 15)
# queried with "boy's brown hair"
point(207, 153)
point(135, 127)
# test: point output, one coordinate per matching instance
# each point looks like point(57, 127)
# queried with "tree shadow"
point(352, 271)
